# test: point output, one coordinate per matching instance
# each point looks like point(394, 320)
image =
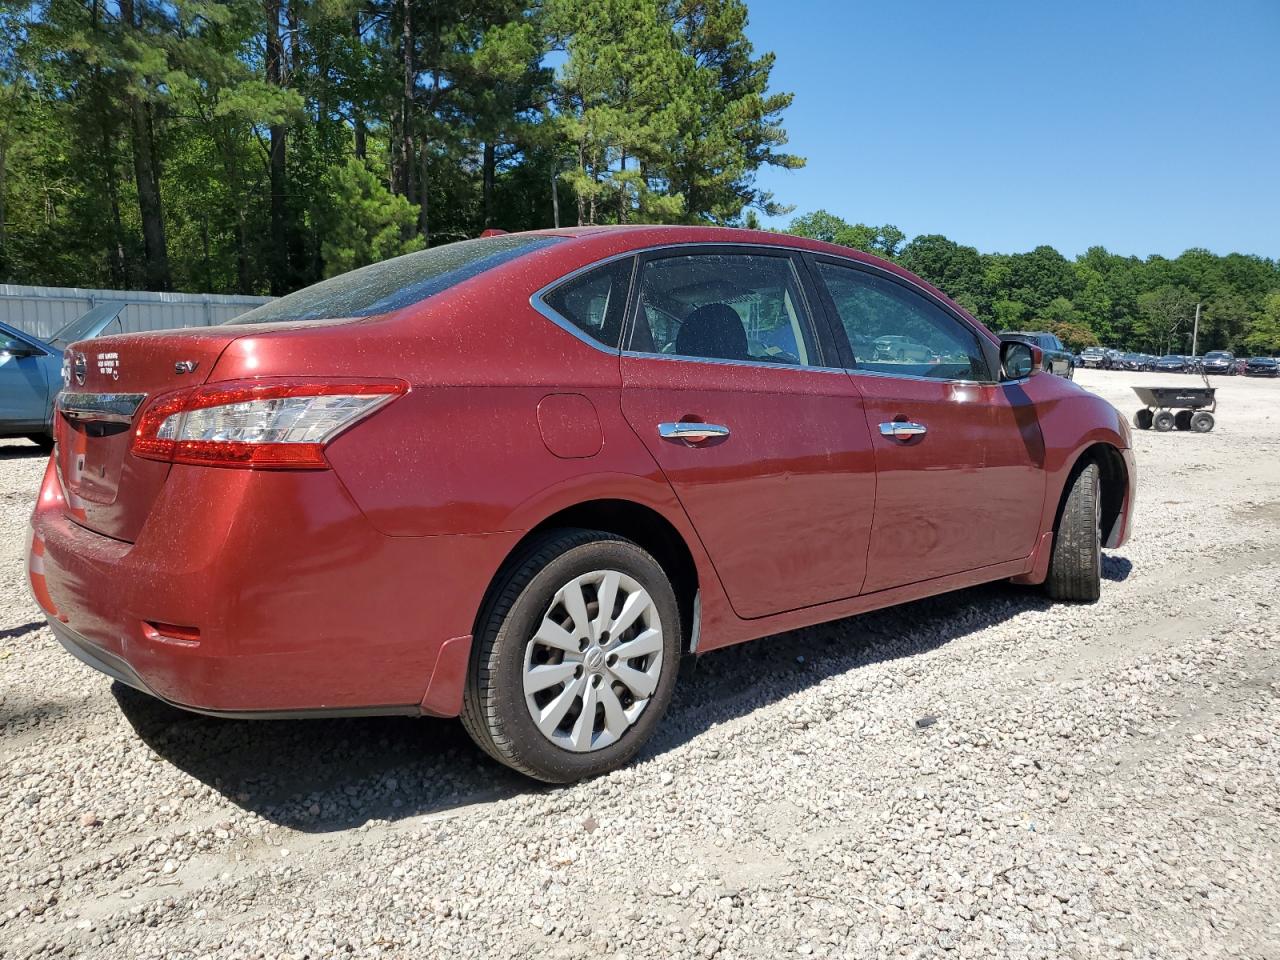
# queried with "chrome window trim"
point(111, 407)
point(537, 301)
point(764, 364)
point(911, 376)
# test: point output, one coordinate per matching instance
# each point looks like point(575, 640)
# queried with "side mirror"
point(14, 348)
point(1019, 360)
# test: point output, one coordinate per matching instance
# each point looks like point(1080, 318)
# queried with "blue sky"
point(1145, 127)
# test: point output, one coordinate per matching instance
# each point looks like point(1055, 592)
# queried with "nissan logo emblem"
point(79, 367)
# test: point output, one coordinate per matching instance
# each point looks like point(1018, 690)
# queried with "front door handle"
point(903, 429)
point(693, 431)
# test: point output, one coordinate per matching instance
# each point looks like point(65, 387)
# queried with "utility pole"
point(1195, 331)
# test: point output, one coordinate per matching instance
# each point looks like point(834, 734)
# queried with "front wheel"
point(1075, 569)
point(575, 657)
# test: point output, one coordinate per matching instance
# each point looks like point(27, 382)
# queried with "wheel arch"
point(1113, 478)
point(634, 521)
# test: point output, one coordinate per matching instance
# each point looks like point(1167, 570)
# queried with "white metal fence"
point(41, 311)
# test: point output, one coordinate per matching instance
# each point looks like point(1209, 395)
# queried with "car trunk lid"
point(109, 381)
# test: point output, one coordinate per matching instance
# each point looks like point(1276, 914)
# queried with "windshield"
point(88, 325)
point(1217, 355)
point(1094, 350)
point(392, 284)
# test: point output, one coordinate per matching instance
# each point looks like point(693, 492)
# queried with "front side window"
point(594, 302)
point(396, 283)
point(894, 330)
point(741, 307)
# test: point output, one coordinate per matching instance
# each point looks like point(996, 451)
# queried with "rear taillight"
point(261, 424)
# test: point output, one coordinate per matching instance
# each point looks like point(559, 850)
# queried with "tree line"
point(1146, 305)
point(255, 146)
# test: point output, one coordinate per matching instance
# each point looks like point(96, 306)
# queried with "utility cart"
point(1194, 406)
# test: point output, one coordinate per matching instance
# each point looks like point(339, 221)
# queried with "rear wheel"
point(1075, 569)
point(575, 657)
point(1142, 419)
point(1182, 419)
point(1162, 421)
point(1202, 421)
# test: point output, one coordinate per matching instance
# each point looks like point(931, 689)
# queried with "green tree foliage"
point(258, 145)
point(1099, 297)
point(365, 222)
point(885, 241)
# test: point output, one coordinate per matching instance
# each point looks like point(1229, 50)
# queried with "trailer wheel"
point(1202, 422)
point(1162, 421)
point(1142, 419)
point(1182, 419)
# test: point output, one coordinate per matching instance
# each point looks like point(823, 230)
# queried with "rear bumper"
point(118, 669)
point(291, 603)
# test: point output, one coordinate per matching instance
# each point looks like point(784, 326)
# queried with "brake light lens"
point(258, 424)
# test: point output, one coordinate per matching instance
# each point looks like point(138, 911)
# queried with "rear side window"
point(400, 282)
point(593, 303)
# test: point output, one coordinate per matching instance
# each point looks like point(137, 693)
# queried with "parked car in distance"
point(517, 478)
point(1134, 361)
point(903, 349)
point(31, 372)
point(1221, 362)
point(1170, 363)
point(1095, 357)
point(1262, 367)
point(1057, 358)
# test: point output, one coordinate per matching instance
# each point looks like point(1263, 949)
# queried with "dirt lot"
point(1099, 781)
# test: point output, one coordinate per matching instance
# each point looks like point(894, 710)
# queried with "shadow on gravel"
point(21, 451)
point(1116, 569)
point(328, 775)
point(21, 630)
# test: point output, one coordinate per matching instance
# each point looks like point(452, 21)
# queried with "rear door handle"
point(903, 429)
point(693, 431)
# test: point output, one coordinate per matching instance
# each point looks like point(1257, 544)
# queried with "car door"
point(959, 455)
point(759, 433)
point(25, 389)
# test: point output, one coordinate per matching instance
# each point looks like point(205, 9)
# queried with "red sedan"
point(517, 478)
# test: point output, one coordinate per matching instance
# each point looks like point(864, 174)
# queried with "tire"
point(1075, 568)
point(1182, 419)
point(1162, 421)
point(1142, 419)
point(1202, 421)
point(528, 599)
point(41, 440)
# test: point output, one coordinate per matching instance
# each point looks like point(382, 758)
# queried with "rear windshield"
point(392, 284)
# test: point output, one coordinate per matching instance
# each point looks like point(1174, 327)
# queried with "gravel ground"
point(1097, 781)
